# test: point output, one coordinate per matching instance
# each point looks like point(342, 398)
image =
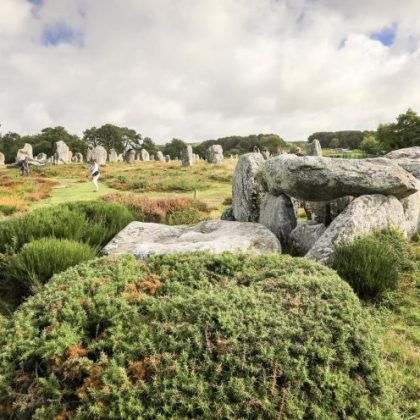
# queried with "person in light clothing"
point(94, 171)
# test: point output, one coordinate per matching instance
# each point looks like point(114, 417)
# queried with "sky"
point(203, 69)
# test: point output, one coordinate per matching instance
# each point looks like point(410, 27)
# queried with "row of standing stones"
point(63, 155)
point(344, 199)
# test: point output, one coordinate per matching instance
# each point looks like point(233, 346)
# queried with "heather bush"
point(192, 336)
point(371, 265)
point(37, 262)
point(92, 222)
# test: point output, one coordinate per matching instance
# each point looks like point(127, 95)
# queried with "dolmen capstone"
point(187, 156)
point(214, 154)
point(216, 236)
point(344, 198)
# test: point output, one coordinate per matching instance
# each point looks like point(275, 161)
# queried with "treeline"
point(233, 145)
point(347, 139)
point(122, 138)
point(404, 132)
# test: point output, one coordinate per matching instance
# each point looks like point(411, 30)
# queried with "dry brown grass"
point(157, 210)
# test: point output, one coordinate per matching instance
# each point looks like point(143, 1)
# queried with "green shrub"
point(184, 217)
point(192, 336)
point(371, 265)
point(92, 222)
point(37, 262)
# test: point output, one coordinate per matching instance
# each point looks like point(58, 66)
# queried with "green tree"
point(9, 145)
point(334, 143)
point(149, 145)
point(174, 148)
point(404, 133)
point(370, 145)
point(111, 136)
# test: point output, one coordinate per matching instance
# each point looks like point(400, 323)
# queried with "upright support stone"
point(246, 191)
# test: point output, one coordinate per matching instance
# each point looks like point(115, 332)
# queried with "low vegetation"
point(372, 265)
point(171, 211)
point(17, 193)
point(193, 336)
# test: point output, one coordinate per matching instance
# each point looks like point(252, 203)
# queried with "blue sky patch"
point(60, 33)
point(386, 36)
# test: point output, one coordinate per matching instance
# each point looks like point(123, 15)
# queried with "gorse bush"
point(371, 265)
point(192, 336)
point(94, 223)
point(37, 262)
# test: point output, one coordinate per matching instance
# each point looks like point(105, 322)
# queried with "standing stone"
point(120, 158)
point(214, 154)
point(314, 148)
point(411, 206)
point(69, 156)
point(25, 152)
point(187, 157)
point(159, 156)
point(152, 157)
point(78, 157)
point(61, 154)
point(321, 178)
point(167, 158)
point(303, 237)
point(130, 156)
point(113, 156)
point(361, 217)
point(98, 153)
point(2, 158)
point(144, 155)
point(41, 157)
point(278, 215)
point(246, 191)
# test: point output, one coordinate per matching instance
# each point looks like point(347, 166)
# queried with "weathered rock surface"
point(187, 157)
point(98, 153)
point(152, 157)
point(25, 152)
point(113, 156)
point(314, 148)
point(410, 165)
point(217, 236)
point(411, 206)
point(214, 154)
point(2, 158)
point(167, 158)
point(278, 215)
point(317, 178)
point(160, 157)
point(303, 237)
point(130, 156)
point(144, 155)
point(408, 152)
point(61, 154)
point(41, 157)
point(246, 191)
point(78, 158)
point(265, 154)
point(361, 217)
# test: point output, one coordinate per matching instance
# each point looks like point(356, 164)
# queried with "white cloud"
point(198, 69)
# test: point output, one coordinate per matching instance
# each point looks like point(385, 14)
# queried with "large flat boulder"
point(408, 152)
point(146, 239)
point(246, 192)
point(317, 178)
point(361, 217)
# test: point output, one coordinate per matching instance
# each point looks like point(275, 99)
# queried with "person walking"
point(25, 167)
point(94, 171)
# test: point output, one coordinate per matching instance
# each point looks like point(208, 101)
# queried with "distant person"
point(94, 171)
point(25, 167)
point(298, 151)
